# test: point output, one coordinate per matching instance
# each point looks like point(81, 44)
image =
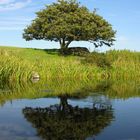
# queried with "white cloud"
point(5, 1)
point(17, 23)
point(7, 5)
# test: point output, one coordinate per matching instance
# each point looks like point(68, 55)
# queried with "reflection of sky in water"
point(126, 126)
point(13, 126)
point(90, 100)
point(127, 121)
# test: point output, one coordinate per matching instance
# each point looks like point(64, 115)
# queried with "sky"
point(124, 15)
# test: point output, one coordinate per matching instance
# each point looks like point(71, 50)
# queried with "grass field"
point(19, 64)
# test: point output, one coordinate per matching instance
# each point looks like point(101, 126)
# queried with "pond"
point(70, 110)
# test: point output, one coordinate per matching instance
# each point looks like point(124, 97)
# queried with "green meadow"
point(19, 64)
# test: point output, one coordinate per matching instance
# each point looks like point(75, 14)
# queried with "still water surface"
point(102, 111)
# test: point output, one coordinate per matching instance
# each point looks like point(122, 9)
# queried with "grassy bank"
point(18, 64)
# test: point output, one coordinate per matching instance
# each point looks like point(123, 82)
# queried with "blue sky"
point(124, 15)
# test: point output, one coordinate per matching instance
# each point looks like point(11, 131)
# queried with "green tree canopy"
point(66, 21)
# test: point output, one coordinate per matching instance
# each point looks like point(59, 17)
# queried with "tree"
point(66, 21)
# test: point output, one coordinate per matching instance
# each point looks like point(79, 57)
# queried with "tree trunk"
point(63, 103)
point(64, 47)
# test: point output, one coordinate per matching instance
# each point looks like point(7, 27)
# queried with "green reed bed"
point(21, 64)
point(18, 64)
point(114, 64)
point(125, 64)
point(66, 68)
point(15, 69)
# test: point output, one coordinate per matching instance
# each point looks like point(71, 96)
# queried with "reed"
point(125, 64)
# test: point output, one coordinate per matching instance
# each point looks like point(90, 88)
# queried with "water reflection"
point(80, 88)
point(83, 112)
point(66, 122)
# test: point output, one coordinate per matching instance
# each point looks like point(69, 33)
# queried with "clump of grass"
point(98, 59)
point(122, 64)
point(14, 69)
point(125, 63)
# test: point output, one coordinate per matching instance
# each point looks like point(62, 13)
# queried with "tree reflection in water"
point(67, 122)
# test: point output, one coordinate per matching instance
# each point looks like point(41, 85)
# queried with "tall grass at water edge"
point(121, 64)
point(19, 64)
point(124, 64)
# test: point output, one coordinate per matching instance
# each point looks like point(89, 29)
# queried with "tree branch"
point(68, 43)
